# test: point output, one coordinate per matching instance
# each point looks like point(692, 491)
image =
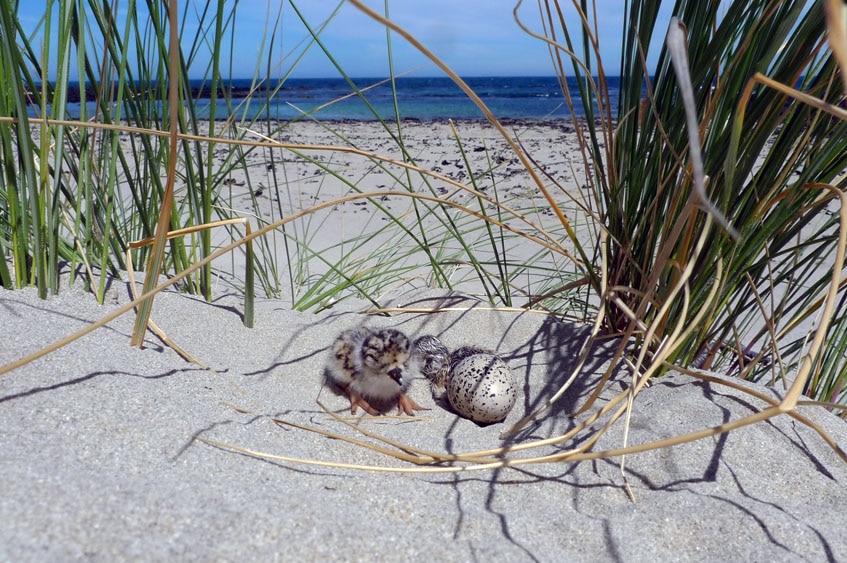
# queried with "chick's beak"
point(397, 375)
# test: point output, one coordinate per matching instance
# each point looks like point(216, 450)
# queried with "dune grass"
point(766, 156)
point(715, 254)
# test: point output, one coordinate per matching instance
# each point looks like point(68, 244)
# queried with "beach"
point(467, 163)
point(114, 452)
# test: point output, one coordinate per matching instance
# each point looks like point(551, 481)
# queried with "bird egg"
point(481, 388)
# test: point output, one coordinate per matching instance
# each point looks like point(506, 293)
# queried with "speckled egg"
point(481, 388)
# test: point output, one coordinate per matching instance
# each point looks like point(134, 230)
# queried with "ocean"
point(535, 98)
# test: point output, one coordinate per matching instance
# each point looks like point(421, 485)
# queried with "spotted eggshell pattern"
point(481, 388)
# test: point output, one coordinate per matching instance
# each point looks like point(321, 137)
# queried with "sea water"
point(370, 99)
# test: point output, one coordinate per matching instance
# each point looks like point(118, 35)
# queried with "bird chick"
point(437, 362)
point(434, 359)
point(374, 368)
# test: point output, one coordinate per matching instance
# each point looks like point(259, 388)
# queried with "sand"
point(270, 184)
point(101, 457)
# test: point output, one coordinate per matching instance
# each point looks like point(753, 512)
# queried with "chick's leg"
point(357, 400)
point(408, 406)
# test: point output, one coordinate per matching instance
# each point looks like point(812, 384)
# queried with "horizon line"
point(374, 78)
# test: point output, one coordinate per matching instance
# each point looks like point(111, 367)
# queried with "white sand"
point(100, 459)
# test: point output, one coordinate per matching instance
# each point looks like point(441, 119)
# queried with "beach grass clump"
point(773, 163)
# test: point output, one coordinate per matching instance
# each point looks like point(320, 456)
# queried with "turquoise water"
point(417, 98)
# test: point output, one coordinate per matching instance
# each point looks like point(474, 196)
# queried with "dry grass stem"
point(154, 264)
point(132, 283)
point(836, 22)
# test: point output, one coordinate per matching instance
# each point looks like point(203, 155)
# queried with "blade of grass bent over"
point(679, 58)
point(493, 120)
point(154, 265)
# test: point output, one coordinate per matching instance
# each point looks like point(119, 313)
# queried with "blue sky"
point(474, 37)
